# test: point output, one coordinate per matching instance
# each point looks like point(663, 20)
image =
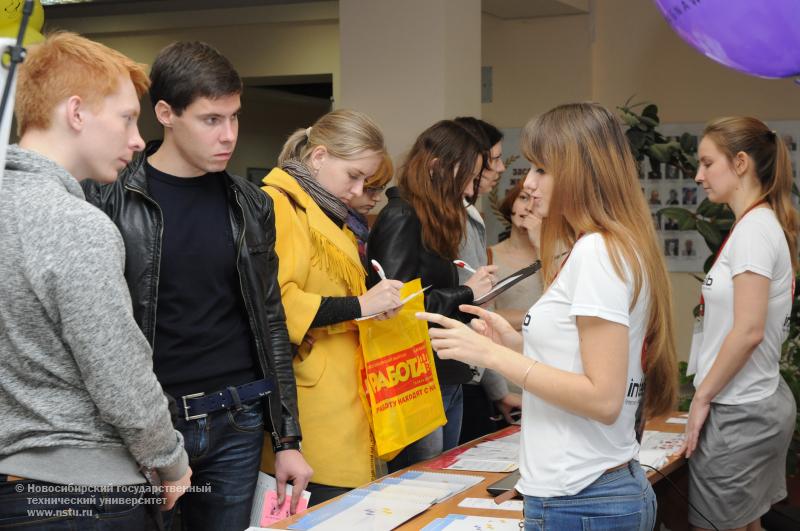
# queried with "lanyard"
point(646, 340)
point(702, 309)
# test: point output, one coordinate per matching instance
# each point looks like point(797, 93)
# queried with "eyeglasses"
point(374, 191)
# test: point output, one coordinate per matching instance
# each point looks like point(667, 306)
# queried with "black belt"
point(199, 405)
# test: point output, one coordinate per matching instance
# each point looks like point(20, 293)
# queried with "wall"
point(275, 41)
point(622, 48)
point(537, 63)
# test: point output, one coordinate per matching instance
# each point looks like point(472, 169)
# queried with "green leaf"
point(649, 121)
point(676, 213)
point(651, 111)
point(710, 234)
point(636, 137)
point(630, 119)
point(712, 210)
point(660, 152)
point(688, 143)
point(686, 218)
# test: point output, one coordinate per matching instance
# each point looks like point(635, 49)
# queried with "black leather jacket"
point(139, 219)
point(395, 241)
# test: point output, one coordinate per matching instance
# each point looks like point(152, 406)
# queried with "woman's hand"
point(482, 280)
point(382, 297)
point(455, 340)
point(493, 326)
point(533, 226)
point(508, 404)
point(698, 413)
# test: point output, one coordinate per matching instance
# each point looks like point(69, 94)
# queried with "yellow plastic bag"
point(401, 390)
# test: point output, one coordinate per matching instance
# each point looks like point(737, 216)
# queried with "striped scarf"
point(323, 198)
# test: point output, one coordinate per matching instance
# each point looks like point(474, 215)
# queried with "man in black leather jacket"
point(202, 272)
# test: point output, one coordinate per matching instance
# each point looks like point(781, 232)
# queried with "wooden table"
point(674, 468)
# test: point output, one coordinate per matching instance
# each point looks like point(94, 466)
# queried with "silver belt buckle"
point(186, 407)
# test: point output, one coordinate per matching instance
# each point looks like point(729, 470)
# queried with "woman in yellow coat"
point(320, 169)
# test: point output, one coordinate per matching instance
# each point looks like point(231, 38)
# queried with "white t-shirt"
point(561, 452)
point(756, 244)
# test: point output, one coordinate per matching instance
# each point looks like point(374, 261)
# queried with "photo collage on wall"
point(687, 251)
point(667, 186)
point(662, 186)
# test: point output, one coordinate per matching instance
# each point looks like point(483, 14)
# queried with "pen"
point(463, 265)
point(378, 269)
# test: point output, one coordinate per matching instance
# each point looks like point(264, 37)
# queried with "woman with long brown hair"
point(417, 235)
point(743, 414)
point(603, 322)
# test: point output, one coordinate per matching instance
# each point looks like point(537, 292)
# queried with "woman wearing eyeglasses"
point(360, 206)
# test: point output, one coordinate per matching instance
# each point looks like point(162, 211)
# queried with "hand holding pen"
point(482, 279)
point(383, 297)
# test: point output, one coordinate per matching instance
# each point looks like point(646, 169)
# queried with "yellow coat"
point(317, 258)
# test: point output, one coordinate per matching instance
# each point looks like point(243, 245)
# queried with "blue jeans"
point(225, 455)
point(622, 500)
point(441, 439)
point(109, 509)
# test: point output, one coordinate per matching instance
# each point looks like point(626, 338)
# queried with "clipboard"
point(509, 281)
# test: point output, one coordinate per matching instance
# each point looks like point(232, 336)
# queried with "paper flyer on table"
point(488, 503)
point(265, 510)
point(360, 510)
point(463, 522)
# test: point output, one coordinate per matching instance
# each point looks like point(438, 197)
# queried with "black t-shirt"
point(203, 340)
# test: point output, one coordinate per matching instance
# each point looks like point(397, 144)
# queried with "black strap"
point(225, 399)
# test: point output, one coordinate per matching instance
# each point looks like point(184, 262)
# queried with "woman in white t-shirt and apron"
point(605, 316)
point(743, 414)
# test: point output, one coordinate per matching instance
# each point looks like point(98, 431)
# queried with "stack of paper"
point(657, 446)
point(361, 509)
point(265, 510)
point(499, 455)
point(463, 522)
point(653, 458)
point(458, 482)
point(488, 503)
point(388, 503)
point(662, 440)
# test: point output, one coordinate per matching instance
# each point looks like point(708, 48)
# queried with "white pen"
point(463, 265)
point(378, 269)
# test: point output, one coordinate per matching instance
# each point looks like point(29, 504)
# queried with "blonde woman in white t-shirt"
point(579, 357)
point(743, 414)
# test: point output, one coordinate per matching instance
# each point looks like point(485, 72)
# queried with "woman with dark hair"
point(604, 321)
point(416, 236)
point(472, 248)
point(493, 388)
point(743, 414)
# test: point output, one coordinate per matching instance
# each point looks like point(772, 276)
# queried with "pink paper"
point(271, 513)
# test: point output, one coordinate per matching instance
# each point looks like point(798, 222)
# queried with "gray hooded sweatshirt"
point(79, 403)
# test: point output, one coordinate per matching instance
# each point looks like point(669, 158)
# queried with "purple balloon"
point(757, 37)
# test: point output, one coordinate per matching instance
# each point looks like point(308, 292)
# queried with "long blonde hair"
point(596, 189)
point(772, 163)
point(344, 133)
